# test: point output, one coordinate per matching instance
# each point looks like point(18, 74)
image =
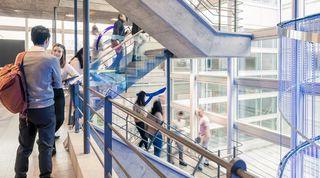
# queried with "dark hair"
point(122, 15)
point(156, 107)
point(39, 34)
point(79, 56)
point(141, 98)
point(63, 59)
point(94, 28)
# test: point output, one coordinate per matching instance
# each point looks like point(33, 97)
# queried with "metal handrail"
point(142, 109)
point(118, 162)
point(113, 55)
point(96, 152)
point(155, 169)
point(119, 45)
point(172, 155)
point(130, 146)
point(208, 9)
point(103, 97)
point(238, 144)
point(182, 140)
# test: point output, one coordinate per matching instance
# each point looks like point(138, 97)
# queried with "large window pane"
point(12, 21)
point(181, 90)
point(212, 64)
point(12, 35)
point(181, 65)
point(263, 62)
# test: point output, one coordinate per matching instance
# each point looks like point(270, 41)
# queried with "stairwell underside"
point(181, 30)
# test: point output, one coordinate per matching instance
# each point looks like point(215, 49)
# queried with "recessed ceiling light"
point(16, 10)
point(69, 15)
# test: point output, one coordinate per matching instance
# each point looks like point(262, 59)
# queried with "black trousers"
point(59, 106)
point(144, 138)
point(39, 120)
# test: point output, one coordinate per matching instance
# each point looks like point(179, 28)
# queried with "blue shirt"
point(43, 73)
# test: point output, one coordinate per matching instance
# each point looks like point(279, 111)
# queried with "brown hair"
point(63, 59)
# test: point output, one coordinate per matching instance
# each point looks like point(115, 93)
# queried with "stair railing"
point(235, 167)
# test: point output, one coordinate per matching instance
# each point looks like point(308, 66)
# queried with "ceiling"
point(100, 10)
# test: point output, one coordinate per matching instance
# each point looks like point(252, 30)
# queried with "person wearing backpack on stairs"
point(42, 73)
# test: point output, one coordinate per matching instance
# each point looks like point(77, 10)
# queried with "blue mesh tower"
point(299, 94)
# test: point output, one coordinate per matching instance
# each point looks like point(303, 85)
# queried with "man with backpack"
point(42, 74)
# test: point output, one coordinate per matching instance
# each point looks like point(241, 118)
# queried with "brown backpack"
point(13, 91)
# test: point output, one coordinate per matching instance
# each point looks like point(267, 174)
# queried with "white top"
point(204, 126)
point(76, 65)
point(179, 124)
point(94, 51)
point(68, 71)
point(139, 110)
point(157, 117)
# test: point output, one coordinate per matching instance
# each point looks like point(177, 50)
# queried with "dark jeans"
point(157, 144)
point(39, 120)
point(180, 150)
point(117, 61)
point(144, 138)
point(59, 103)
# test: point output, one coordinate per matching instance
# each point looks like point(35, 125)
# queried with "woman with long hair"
point(139, 108)
point(67, 70)
point(157, 116)
point(59, 51)
point(77, 61)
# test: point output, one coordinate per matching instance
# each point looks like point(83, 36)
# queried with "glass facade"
point(263, 62)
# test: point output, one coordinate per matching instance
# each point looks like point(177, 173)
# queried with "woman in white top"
point(59, 51)
point(77, 62)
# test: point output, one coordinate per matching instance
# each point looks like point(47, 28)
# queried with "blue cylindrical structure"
point(299, 84)
point(86, 65)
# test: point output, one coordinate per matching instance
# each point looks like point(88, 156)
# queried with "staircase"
point(131, 72)
point(191, 37)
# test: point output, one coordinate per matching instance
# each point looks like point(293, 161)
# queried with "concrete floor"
point(62, 167)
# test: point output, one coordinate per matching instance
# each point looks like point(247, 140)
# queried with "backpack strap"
point(19, 58)
point(19, 62)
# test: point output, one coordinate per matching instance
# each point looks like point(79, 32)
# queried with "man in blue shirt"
point(42, 73)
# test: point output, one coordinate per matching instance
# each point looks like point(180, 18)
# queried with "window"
point(12, 21)
point(211, 65)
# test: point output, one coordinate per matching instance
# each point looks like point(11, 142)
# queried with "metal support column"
point(232, 102)
point(219, 11)
point(26, 42)
point(62, 33)
point(75, 11)
point(86, 64)
point(297, 105)
point(107, 138)
point(193, 98)
point(169, 55)
point(235, 16)
point(54, 25)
